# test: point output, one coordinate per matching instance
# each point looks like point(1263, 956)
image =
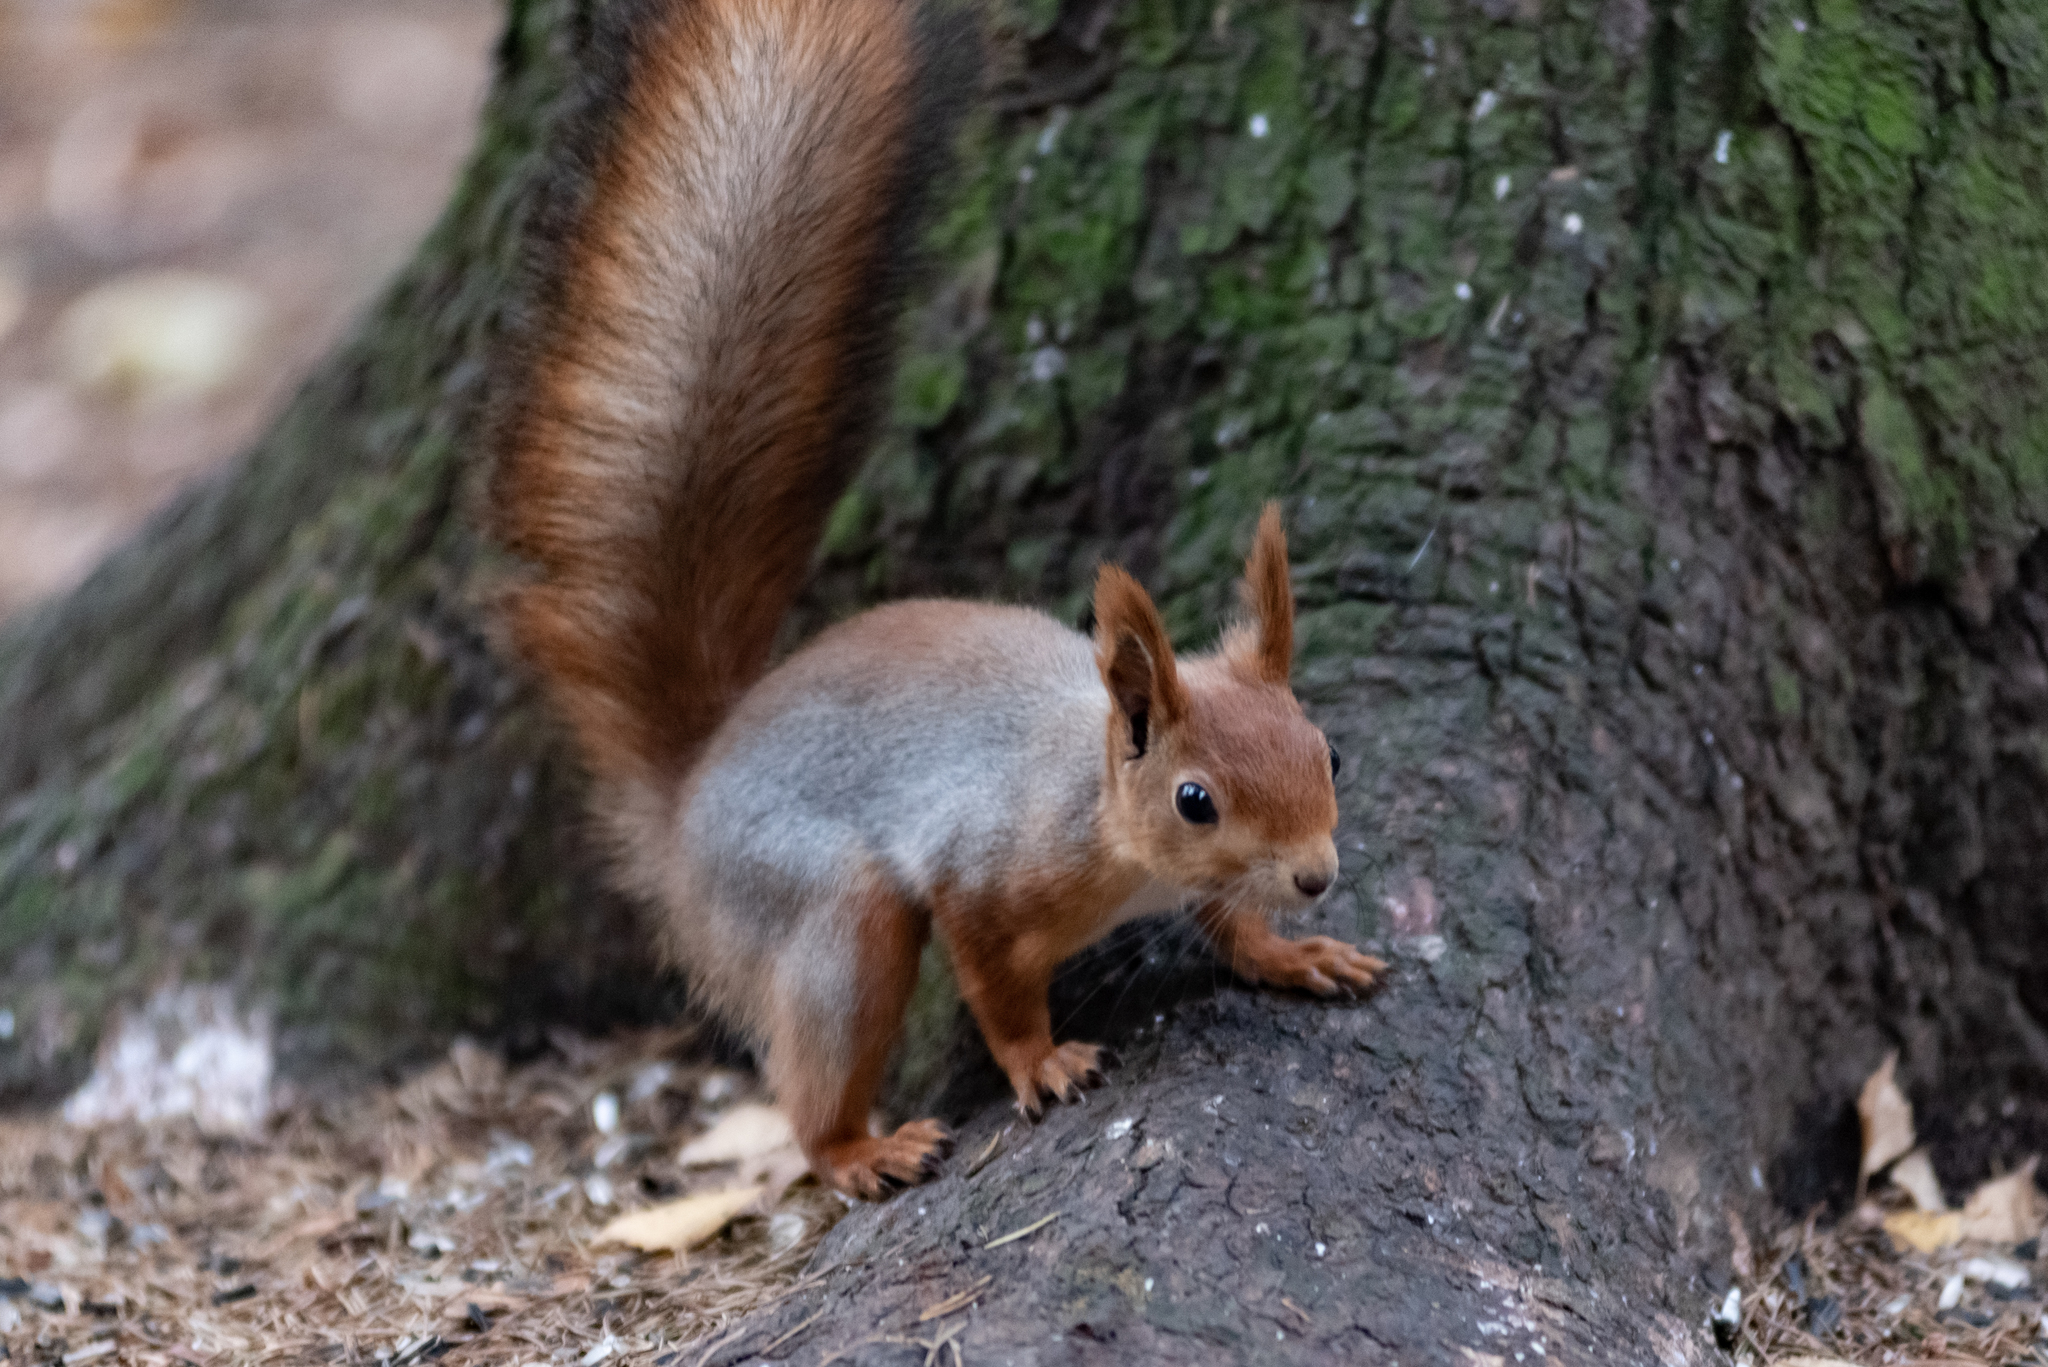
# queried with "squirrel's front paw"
point(1058, 1074)
point(1320, 965)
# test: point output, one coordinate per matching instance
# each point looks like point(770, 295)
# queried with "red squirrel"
point(694, 384)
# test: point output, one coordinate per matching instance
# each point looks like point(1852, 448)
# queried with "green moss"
point(1902, 213)
point(1231, 274)
point(1785, 695)
point(927, 388)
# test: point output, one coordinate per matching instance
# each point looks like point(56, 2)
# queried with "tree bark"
point(1649, 385)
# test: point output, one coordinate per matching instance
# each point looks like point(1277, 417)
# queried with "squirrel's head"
point(1216, 781)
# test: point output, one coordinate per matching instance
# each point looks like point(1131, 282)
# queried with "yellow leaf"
point(2007, 1211)
point(1914, 1175)
point(1924, 1230)
point(745, 1132)
point(1887, 1120)
point(678, 1225)
point(777, 1171)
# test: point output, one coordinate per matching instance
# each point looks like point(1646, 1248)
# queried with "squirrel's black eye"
point(1336, 762)
point(1194, 804)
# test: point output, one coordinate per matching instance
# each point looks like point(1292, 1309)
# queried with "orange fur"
point(690, 389)
point(1269, 596)
point(1135, 656)
point(647, 437)
point(831, 1121)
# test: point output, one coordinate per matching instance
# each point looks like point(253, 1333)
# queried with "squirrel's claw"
point(1062, 1073)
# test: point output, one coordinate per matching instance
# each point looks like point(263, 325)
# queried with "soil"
point(451, 1218)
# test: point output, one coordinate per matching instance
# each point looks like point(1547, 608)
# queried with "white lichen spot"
point(1361, 16)
point(1487, 102)
point(1428, 948)
point(1501, 185)
point(1574, 225)
point(604, 1112)
point(1721, 145)
point(1049, 136)
point(1259, 127)
point(1798, 25)
point(649, 1081)
point(1048, 363)
point(189, 1052)
point(1321, 1250)
point(1148, 1284)
point(1463, 289)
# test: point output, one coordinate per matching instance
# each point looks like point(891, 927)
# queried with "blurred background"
point(196, 198)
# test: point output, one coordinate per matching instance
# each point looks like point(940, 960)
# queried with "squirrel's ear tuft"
point(1135, 657)
point(1268, 648)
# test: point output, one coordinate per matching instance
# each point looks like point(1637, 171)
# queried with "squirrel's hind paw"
point(877, 1166)
point(1061, 1074)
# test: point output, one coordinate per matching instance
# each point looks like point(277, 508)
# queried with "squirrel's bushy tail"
point(697, 373)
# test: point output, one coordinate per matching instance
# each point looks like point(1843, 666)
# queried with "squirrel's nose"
point(1312, 884)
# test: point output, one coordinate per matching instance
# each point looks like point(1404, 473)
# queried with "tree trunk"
point(1649, 387)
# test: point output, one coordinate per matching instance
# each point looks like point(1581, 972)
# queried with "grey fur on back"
point(928, 744)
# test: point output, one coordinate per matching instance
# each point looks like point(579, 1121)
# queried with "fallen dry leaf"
point(777, 1171)
point(678, 1225)
point(1924, 1231)
point(2005, 1211)
point(744, 1132)
point(1914, 1175)
point(1887, 1120)
point(1811, 1362)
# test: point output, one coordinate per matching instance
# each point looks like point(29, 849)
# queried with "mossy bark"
point(1650, 388)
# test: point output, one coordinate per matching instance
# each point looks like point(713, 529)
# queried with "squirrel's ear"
point(1135, 657)
point(1269, 598)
